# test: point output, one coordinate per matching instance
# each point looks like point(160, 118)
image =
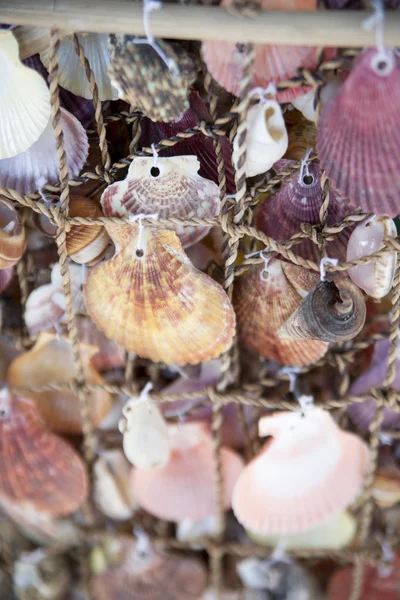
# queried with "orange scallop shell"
point(12, 234)
point(153, 301)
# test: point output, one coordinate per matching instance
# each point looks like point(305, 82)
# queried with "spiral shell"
point(12, 234)
point(86, 244)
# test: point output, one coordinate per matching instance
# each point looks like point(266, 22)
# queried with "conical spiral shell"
point(86, 244)
point(358, 137)
point(174, 190)
point(151, 300)
point(263, 305)
point(38, 470)
point(25, 101)
point(12, 234)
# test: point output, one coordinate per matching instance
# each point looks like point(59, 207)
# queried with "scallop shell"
point(28, 171)
point(305, 103)
point(24, 116)
point(186, 487)
point(36, 575)
point(374, 585)
point(31, 40)
point(144, 80)
point(361, 121)
point(109, 355)
point(51, 361)
point(72, 75)
point(12, 234)
point(5, 277)
point(111, 489)
point(299, 201)
point(263, 305)
point(38, 469)
point(149, 574)
point(267, 138)
point(171, 188)
point(189, 531)
point(376, 277)
point(152, 301)
point(86, 244)
point(309, 471)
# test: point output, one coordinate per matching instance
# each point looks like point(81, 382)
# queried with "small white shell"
point(305, 104)
point(112, 493)
point(41, 312)
point(146, 438)
point(376, 277)
point(267, 138)
point(189, 530)
point(24, 101)
point(72, 74)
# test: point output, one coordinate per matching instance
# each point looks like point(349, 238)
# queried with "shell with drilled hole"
point(263, 301)
point(12, 234)
point(86, 244)
point(150, 299)
point(25, 101)
point(51, 360)
point(309, 470)
point(169, 187)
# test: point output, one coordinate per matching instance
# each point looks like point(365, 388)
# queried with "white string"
point(292, 373)
point(266, 260)
point(385, 439)
point(376, 21)
point(304, 165)
point(385, 567)
point(306, 403)
point(143, 542)
point(322, 265)
point(148, 7)
point(139, 218)
point(155, 155)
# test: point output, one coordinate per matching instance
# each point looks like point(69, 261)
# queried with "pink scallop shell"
point(200, 145)
point(186, 487)
point(299, 478)
point(358, 136)
point(296, 202)
point(28, 171)
point(363, 413)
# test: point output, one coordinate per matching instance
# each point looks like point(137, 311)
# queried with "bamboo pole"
point(320, 28)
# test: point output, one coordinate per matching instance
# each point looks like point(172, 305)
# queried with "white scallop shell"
point(72, 74)
point(267, 138)
point(171, 187)
point(29, 170)
point(24, 101)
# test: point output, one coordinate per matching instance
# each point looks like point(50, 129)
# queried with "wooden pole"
point(317, 28)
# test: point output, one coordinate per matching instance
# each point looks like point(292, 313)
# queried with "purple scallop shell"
point(299, 201)
point(200, 145)
point(81, 108)
point(363, 413)
point(358, 134)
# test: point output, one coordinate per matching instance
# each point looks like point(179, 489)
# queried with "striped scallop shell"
point(262, 305)
point(25, 101)
point(358, 137)
point(172, 188)
point(153, 302)
point(12, 234)
point(299, 201)
point(72, 75)
point(29, 170)
point(37, 468)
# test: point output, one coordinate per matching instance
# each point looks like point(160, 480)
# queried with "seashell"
point(38, 526)
point(31, 40)
point(28, 171)
point(267, 137)
point(5, 278)
point(145, 80)
point(77, 275)
point(41, 312)
point(189, 530)
point(109, 355)
point(36, 575)
point(263, 305)
point(306, 105)
point(39, 471)
point(43, 224)
point(386, 486)
point(152, 301)
point(172, 188)
point(111, 488)
point(149, 573)
point(12, 234)
point(72, 75)
point(245, 594)
point(86, 244)
point(302, 135)
point(309, 471)
point(51, 360)
point(200, 256)
point(333, 311)
point(378, 583)
point(146, 438)
point(288, 580)
point(334, 533)
point(8, 351)
point(369, 95)
point(272, 64)
point(299, 201)
point(200, 145)
point(376, 277)
point(186, 487)
point(24, 116)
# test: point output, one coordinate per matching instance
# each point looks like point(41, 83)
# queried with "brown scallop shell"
point(38, 470)
point(51, 361)
point(12, 234)
point(86, 244)
point(153, 301)
point(262, 305)
point(149, 574)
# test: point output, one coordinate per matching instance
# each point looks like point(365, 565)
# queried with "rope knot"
point(204, 128)
point(59, 219)
point(314, 233)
